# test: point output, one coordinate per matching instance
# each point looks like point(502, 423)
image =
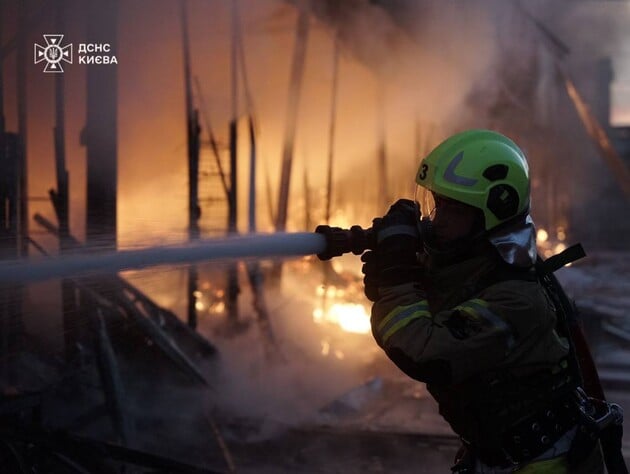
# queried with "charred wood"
point(117, 298)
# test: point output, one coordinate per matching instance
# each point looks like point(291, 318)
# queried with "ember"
point(551, 245)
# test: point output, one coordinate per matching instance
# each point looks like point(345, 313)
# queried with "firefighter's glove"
point(394, 260)
point(399, 225)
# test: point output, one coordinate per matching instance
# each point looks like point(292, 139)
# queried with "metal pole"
point(232, 215)
point(5, 222)
point(382, 199)
point(232, 271)
point(21, 58)
point(192, 128)
point(61, 202)
point(331, 130)
point(102, 130)
point(295, 85)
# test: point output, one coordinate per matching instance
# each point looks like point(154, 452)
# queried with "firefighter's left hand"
point(397, 235)
point(385, 270)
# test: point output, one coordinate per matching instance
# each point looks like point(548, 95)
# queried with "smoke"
point(603, 33)
point(405, 70)
point(422, 75)
point(307, 365)
point(423, 60)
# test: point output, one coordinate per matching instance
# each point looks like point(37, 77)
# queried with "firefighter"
point(458, 304)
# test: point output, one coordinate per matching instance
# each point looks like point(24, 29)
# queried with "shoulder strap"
point(566, 312)
point(555, 262)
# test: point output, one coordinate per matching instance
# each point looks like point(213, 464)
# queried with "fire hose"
point(327, 242)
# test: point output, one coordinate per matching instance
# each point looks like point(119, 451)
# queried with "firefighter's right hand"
point(401, 223)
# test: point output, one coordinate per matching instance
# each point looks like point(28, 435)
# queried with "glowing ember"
point(549, 245)
point(318, 315)
point(210, 300)
point(337, 266)
point(561, 234)
point(325, 348)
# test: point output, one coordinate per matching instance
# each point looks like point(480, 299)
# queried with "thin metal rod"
point(192, 127)
point(382, 199)
point(22, 127)
point(295, 86)
point(213, 142)
point(252, 176)
point(333, 124)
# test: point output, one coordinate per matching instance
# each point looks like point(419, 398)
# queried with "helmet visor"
point(426, 202)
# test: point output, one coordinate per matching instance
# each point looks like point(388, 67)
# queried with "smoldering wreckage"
point(140, 334)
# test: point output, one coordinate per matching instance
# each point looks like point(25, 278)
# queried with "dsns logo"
point(53, 53)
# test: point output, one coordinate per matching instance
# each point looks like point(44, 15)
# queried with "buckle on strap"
point(597, 414)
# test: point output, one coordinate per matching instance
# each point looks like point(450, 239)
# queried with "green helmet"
point(481, 168)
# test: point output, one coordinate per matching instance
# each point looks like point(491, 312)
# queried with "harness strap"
point(583, 365)
point(533, 435)
point(555, 262)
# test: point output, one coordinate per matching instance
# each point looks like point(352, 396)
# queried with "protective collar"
point(516, 242)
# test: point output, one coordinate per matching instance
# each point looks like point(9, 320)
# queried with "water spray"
point(326, 242)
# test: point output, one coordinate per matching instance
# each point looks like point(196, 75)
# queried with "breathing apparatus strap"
point(559, 260)
point(580, 357)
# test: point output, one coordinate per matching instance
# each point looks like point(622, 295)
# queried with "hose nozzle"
point(339, 241)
